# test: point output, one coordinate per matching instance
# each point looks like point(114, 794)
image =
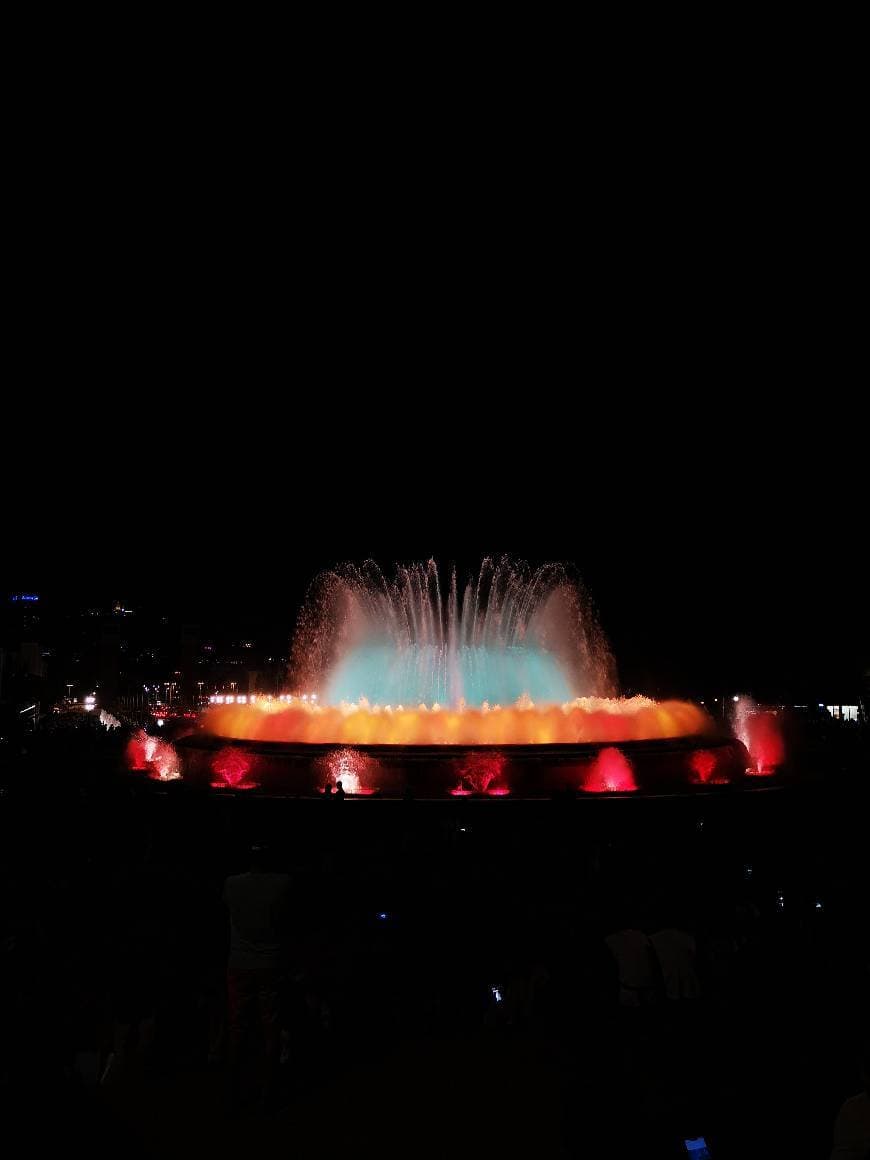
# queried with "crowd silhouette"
point(623, 978)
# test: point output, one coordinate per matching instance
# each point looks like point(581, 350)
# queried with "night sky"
point(719, 555)
point(653, 372)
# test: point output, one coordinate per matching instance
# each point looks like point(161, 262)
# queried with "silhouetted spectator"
point(852, 1126)
point(258, 903)
point(636, 965)
point(675, 950)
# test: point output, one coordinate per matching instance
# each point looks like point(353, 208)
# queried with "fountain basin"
point(657, 766)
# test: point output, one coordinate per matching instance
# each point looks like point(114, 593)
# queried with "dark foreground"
point(407, 915)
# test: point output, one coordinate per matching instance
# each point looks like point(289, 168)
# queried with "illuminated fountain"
point(502, 685)
point(150, 755)
point(514, 658)
point(508, 634)
point(761, 732)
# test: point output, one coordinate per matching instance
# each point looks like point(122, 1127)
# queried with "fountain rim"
point(210, 742)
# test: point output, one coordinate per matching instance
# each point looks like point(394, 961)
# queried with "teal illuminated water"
point(429, 674)
point(507, 633)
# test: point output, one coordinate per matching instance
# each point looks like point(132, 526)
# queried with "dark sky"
point(722, 552)
point(656, 382)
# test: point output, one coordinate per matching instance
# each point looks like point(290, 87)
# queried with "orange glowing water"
point(586, 719)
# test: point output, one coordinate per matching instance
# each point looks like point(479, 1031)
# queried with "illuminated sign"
point(27, 596)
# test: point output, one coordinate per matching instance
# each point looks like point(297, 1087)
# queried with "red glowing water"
point(481, 773)
point(763, 738)
point(231, 768)
point(703, 764)
point(356, 771)
point(135, 753)
point(165, 765)
point(610, 772)
point(157, 757)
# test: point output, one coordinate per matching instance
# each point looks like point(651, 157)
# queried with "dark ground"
point(112, 911)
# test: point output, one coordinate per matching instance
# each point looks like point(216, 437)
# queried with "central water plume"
point(508, 633)
point(513, 656)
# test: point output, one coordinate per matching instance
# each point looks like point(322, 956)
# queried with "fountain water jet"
point(502, 685)
point(511, 631)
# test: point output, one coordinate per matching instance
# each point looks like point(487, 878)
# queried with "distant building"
point(843, 712)
point(21, 665)
point(31, 659)
point(188, 662)
point(19, 618)
point(109, 666)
